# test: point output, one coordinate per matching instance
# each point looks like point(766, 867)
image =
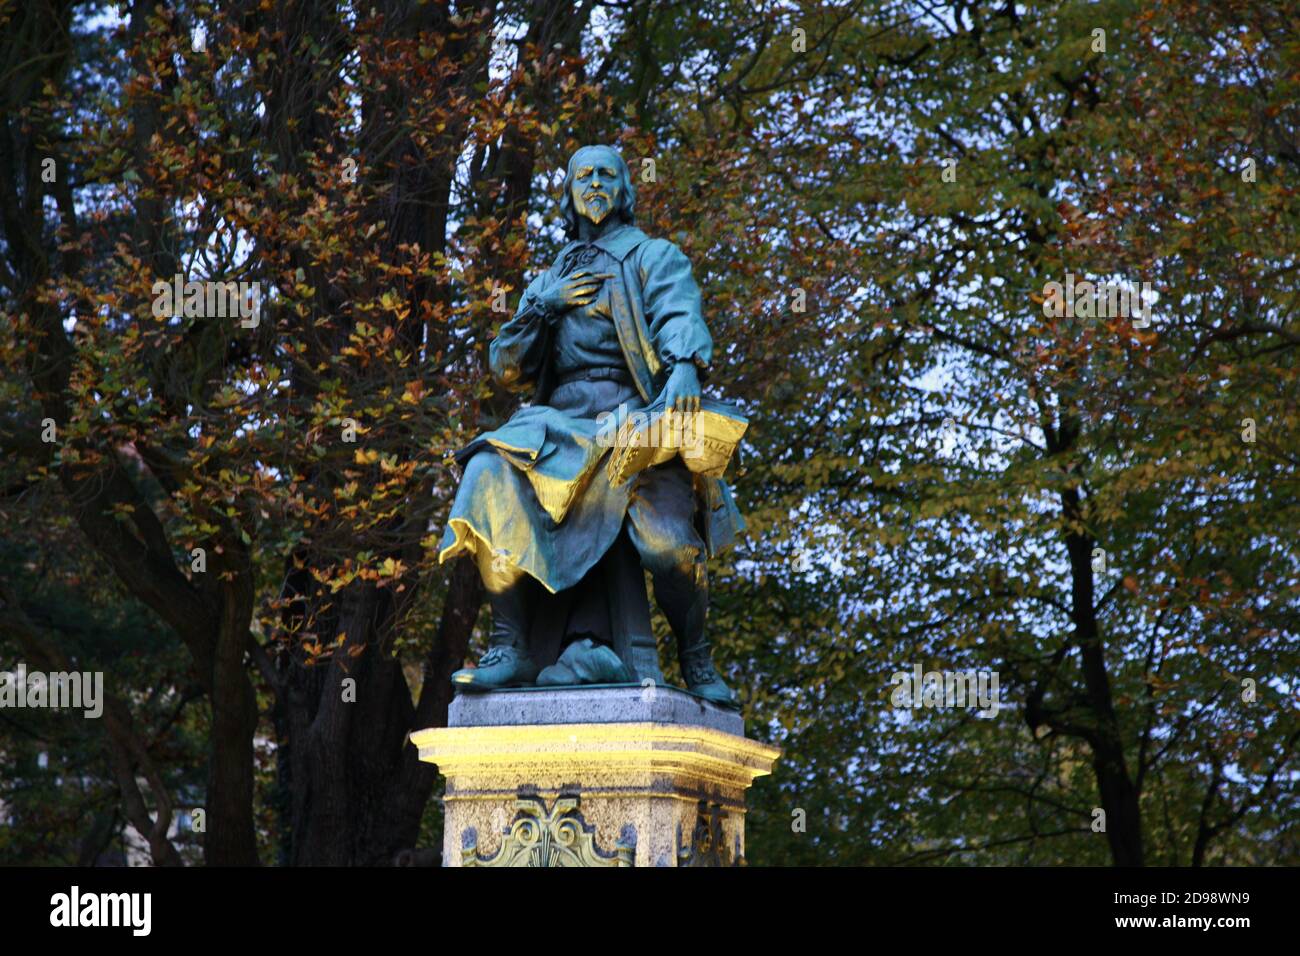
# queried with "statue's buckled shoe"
point(702, 678)
point(502, 666)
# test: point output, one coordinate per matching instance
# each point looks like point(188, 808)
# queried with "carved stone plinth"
point(593, 776)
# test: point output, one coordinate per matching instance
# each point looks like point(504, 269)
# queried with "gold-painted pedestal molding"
point(525, 787)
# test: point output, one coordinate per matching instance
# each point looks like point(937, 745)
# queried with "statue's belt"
point(599, 373)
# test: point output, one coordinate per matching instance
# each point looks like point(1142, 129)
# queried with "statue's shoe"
point(702, 678)
point(585, 662)
point(502, 666)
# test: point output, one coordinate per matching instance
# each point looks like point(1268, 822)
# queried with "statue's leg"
point(509, 591)
point(511, 595)
point(661, 520)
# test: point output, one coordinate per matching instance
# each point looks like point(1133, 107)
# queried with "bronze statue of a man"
point(615, 323)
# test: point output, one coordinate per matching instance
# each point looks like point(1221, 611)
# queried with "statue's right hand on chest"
point(581, 288)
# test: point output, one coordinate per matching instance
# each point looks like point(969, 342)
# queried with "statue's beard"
point(596, 209)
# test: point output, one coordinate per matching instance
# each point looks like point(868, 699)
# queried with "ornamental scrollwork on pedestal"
point(708, 845)
point(558, 837)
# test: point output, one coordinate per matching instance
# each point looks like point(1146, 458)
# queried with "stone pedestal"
point(593, 776)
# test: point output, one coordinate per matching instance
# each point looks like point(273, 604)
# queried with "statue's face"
point(596, 188)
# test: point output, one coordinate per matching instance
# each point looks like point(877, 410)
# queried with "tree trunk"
point(1119, 795)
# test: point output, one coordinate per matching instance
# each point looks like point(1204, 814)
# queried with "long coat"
point(657, 313)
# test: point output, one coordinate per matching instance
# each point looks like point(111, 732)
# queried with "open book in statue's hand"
point(645, 437)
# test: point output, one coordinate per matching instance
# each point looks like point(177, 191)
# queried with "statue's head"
point(597, 186)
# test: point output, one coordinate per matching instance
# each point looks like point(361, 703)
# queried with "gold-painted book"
point(650, 436)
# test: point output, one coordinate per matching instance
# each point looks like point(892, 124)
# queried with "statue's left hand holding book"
point(705, 440)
